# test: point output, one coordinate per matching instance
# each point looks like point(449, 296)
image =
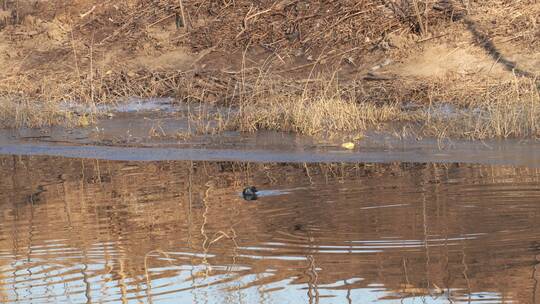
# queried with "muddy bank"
point(431, 53)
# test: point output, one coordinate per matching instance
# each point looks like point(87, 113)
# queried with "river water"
point(97, 231)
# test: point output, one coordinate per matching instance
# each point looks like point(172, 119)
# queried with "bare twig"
point(182, 14)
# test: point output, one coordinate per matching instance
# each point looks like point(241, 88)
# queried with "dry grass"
point(313, 116)
point(499, 110)
point(510, 21)
point(24, 114)
point(329, 34)
point(105, 87)
point(207, 119)
point(74, 63)
point(459, 109)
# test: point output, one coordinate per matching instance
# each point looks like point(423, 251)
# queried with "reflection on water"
point(75, 230)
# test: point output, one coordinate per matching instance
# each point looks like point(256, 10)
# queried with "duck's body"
point(250, 193)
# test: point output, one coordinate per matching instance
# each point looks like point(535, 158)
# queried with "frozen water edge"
point(496, 153)
point(126, 137)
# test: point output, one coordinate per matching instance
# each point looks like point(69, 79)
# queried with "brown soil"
point(388, 51)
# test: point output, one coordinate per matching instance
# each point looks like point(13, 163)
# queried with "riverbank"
point(158, 130)
point(444, 69)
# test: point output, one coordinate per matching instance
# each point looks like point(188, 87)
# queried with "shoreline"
point(286, 66)
point(271, 146)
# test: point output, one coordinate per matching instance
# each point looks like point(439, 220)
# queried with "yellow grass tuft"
point(312, 117)
point(19, 114)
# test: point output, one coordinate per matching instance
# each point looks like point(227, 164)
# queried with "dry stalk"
point(182, 14)
point(419, 17)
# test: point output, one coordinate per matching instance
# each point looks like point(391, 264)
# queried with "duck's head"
point(250, 193)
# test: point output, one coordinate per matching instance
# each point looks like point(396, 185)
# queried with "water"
point(96, 231)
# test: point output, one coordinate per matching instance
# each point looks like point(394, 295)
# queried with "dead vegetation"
point(301, 66)
point(314, 116)
point(472, 110)
point(20, 113)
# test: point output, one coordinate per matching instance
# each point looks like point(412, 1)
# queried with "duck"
point(250, 193)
